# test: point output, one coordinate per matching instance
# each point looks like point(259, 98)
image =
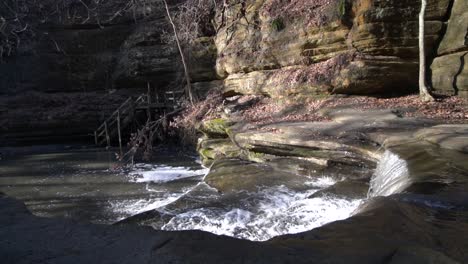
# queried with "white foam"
point(157, 197)
point(321, 182)
point(162, 173)
point(277, 211)
point(127, 208)
point(259, 216)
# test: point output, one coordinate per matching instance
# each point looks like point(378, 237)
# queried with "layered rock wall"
point(306, 47)
point(74, 66)
point(449, 70)
point(270, 47)
point(73, 49)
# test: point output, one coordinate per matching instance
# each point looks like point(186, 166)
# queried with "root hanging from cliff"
point(180, 123)
point(143, 140)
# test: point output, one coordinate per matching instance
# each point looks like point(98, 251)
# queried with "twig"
point(176, 36)
point(144, 137)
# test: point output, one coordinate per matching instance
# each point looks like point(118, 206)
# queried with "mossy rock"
point(277, 24)
point(298, 151)
point(215, 128)
point(257, 156)
point(207, 153)
point(212, 149)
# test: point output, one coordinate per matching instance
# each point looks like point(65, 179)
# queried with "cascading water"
point(391, 176)
point(81, 186)
point(155, 176)
point(268, 212)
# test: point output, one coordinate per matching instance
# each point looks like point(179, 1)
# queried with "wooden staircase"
point(173, 97)
point(121, 118)
point(117, 121)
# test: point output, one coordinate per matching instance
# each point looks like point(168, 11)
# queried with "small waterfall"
point(391, 176)
point(258, 215)
point(265, 214)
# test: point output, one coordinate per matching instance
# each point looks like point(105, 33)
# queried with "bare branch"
point(87, 10)
point(182, 56)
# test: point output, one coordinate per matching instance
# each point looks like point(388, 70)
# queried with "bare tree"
point(182, 56)
point(423, 89)
point(21, 20)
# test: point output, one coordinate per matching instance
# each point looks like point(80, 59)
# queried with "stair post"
point(107, 134)
point(118, 131)
point(149, 102)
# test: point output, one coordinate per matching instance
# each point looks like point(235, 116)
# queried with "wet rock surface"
point(399, 229)
point(422, 216)
point(232, 175)
point(348, 189)
point(418, 215)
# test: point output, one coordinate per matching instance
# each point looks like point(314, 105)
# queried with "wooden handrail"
point(115, 112)
point(126, 105)
point(120, 117)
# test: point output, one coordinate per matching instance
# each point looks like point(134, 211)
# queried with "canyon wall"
point(78, 65)
point(449, 70)
point(73, 66)
point(354, 47)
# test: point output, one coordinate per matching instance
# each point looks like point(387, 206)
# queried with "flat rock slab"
point(344, 114)
point(234, 175)
point(453, 137)
point(347, 131)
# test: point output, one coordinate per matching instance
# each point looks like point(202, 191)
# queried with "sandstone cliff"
point(449, 70)
point(353, 47)
point(269, 47)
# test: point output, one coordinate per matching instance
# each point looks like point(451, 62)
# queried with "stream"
point(88, 186)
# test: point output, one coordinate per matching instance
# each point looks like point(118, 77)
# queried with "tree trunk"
point(176, 36)
point(423, 90)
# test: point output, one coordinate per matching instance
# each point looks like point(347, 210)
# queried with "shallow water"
point(85, 185)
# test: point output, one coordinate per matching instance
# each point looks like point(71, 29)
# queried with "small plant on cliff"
point(343, 8)
point(277, 24)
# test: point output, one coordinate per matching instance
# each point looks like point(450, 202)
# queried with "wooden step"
point(113, 125)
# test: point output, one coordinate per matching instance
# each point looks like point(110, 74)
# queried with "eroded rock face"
point(79, 57)
point(261, 47)
point(449, 70)
point(114, 45)
point(340, 46)
point(33, 117)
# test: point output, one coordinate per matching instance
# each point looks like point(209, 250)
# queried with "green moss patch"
point(215, 128)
